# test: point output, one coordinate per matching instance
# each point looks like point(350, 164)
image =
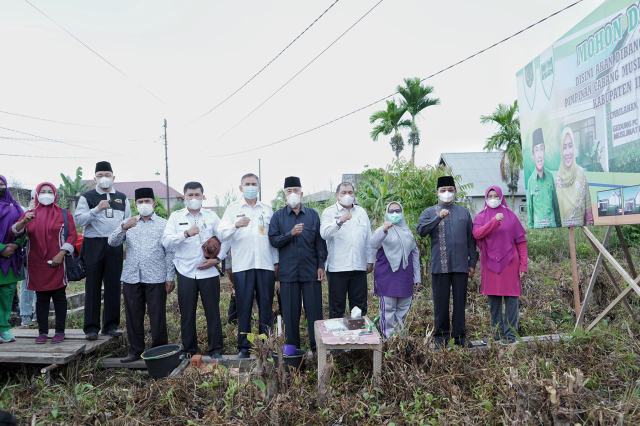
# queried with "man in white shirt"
point(245, 226)
point(186, 231)
point(347, 230)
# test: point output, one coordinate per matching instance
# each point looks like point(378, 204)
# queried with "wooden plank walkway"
point(25, 350)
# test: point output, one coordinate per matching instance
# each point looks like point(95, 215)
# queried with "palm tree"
point(390, 120)
point(71, 189)
point(415, 98)
point(507, 139)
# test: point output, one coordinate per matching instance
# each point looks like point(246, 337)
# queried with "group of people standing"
point(294, 246)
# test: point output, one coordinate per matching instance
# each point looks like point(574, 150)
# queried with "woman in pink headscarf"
point(46, 249)
point(503, 257)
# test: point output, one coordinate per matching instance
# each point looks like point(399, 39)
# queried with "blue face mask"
point(250, 192)
point(394, 218)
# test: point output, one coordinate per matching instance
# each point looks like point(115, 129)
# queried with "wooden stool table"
point(327, 340)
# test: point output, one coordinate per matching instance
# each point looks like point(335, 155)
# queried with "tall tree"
point(71, 189)
point(506, 139)
point(388, 121)
point(415, 98)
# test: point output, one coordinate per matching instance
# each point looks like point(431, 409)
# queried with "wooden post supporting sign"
point(603, 254)
point(574, 271)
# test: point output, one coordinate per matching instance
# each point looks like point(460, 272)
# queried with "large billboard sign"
point(580, 122)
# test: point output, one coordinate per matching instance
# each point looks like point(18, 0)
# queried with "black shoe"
point(130, 358)
point(92, 335)
point(112, 333)
point(244, 354)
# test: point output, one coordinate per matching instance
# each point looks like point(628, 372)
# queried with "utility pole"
point(166, 164)
point(259, 181)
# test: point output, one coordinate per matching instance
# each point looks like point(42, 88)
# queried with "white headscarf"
point(399, 242)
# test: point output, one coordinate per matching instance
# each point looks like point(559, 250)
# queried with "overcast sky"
point(193, 54)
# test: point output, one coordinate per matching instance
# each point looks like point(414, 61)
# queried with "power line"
point(256, 74)
point(32, 117)
point(92, 50)
point(370, 104)
point(44, 156)
point(300, 71)
point(43, 138)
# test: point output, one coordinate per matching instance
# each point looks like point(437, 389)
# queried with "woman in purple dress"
point(397, 269)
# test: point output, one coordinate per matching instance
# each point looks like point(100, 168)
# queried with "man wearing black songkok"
point(453, 260)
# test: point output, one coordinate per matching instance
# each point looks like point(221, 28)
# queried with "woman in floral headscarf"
point(46, 249)
point(503, 257)
point(572, 188)
point(10, 258)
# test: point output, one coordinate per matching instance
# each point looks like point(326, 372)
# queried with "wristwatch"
point(186, 234)
point(339, 223)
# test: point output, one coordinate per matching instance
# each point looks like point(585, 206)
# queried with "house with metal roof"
point(481, 170)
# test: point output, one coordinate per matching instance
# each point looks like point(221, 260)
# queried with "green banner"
point(580, 123)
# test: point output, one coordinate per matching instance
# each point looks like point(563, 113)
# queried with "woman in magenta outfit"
point(503, 257)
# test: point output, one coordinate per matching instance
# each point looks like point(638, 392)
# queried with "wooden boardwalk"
point(25, 350)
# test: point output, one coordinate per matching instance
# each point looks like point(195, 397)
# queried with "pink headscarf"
point(498, 247)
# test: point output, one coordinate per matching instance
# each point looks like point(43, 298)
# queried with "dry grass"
point(593, 378)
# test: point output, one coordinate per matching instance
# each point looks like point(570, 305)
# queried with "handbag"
point(74, 266)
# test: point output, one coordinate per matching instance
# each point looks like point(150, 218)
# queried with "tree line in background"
point(414, 97)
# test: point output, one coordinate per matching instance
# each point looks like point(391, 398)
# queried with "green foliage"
point(71, 188)
point(160, 209)
point(414, 187)
point(178, 205)
point(506, 139)
point(280, 201)
point(415, 98)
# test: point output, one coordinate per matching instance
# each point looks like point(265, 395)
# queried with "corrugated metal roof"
point(481, 169)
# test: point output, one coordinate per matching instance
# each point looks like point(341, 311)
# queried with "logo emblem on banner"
point(547, 72)
point(530, 84)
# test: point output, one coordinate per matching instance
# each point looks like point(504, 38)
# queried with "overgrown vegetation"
point(591, 378)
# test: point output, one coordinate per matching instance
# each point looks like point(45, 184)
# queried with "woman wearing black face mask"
point(10, 258)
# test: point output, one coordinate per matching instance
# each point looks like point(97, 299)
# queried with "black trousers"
point(341, 284)
point(292, 294)
point(104, 265)
point(209, 290)
point(138, 298)
point(43, 299)
point(258, 284)
point(442, 285)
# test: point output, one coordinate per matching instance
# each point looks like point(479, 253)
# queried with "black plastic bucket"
point(292, 361)
point(162, 360)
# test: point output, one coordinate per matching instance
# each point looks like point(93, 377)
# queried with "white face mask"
point(194, 204)
point(293, 200)
point(105, 182)
point(347, 200)
point(446, 197)
point(46, 199)
point(145, 209)
point(494, 202)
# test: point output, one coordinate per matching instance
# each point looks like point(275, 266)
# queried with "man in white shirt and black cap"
point(100, 211)
point(148, 273)
point(347, 230)
point(187, 233)
point(245, 225)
